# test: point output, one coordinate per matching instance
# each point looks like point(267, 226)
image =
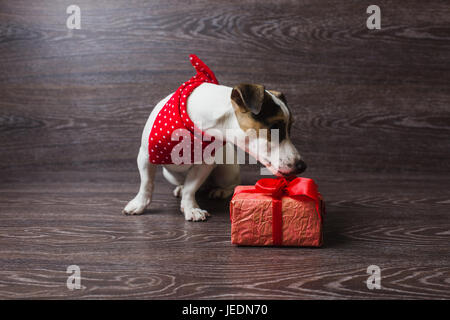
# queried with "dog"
point(237, 111)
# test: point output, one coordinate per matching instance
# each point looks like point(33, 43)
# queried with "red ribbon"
point(280, 187)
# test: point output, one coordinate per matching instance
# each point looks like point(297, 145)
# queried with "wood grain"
point(47, 226)
point(78, 100)
point(372, 121)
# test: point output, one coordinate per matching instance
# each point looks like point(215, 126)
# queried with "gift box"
point(277, 212)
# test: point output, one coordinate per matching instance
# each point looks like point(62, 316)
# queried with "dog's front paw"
point(136, 206)
point(220, 193)
point(195, 214)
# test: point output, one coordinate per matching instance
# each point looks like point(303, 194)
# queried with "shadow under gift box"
point(300, 218)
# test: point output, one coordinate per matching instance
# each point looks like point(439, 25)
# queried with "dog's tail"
point(202, 68)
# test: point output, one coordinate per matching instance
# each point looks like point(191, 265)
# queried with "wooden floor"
point(372, 112)
point(399, 223)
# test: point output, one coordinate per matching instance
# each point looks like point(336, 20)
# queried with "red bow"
point(279, 188)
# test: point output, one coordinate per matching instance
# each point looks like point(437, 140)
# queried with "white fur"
point(209, 106)
point(288, 152)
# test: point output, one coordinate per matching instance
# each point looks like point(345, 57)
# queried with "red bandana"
point(173, 116)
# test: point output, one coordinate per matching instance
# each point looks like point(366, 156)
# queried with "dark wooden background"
point(373, 123)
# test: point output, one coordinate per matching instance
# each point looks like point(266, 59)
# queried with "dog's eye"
point(280, 126)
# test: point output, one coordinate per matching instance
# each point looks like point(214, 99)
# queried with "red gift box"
point(277, 212)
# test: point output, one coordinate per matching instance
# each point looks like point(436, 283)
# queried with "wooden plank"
point(372, 121)
point(389, 222)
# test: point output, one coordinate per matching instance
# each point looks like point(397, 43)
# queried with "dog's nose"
point(300, 166)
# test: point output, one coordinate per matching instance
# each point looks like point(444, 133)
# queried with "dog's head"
point(255, 109)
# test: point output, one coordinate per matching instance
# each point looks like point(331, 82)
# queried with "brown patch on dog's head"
point(256, 109)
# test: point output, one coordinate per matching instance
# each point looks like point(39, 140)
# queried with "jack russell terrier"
point(201, 105)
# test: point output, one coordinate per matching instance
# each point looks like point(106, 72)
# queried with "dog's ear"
point(279, 95)
point(248, 97)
